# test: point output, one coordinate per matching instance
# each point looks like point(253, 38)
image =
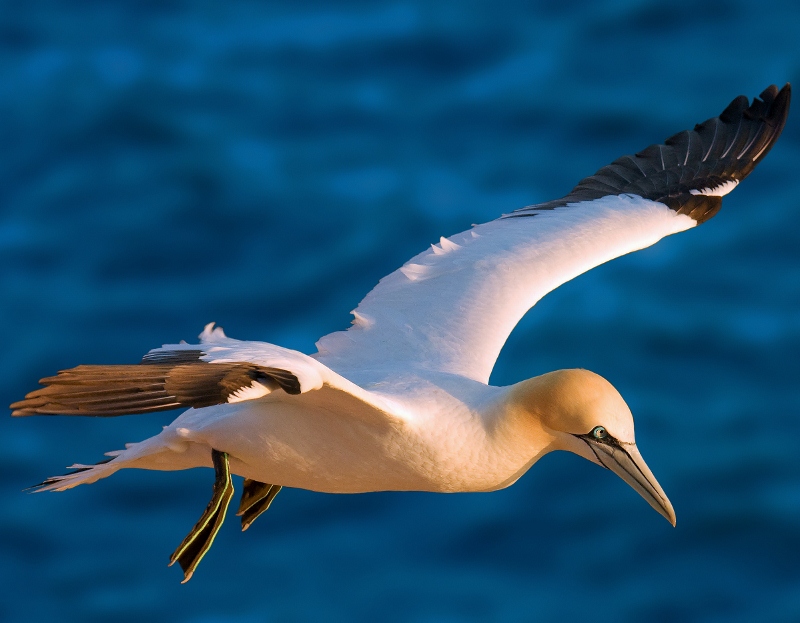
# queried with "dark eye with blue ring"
point(599, 432)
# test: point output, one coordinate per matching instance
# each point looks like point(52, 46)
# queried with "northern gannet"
point(401, 401)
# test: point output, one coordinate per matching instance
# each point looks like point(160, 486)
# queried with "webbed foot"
point(191, 551)
point(256, 499)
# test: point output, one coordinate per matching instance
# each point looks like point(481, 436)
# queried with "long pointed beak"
point(626, 462)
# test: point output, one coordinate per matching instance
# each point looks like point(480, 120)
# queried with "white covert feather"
point(452, 311)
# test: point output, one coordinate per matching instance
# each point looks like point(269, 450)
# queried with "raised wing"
point(451, 308)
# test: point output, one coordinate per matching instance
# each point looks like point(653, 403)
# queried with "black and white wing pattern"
point(451, 308)
point(219, 370)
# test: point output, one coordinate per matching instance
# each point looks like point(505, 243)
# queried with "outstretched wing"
point(451, 308)
point(217, 371)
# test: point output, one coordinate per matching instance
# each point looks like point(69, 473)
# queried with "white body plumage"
point(384, 408)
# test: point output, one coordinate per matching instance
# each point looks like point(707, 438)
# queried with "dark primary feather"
point(160, 355)
point(164, 380)
point(725, 148)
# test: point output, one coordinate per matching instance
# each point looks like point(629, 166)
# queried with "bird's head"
point(582, 413)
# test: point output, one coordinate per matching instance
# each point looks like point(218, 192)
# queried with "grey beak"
point(626, 462)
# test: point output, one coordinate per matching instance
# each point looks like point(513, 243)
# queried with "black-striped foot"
point(256, 499)
point(191, 551)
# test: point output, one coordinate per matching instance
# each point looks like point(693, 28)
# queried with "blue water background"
point(262, 165)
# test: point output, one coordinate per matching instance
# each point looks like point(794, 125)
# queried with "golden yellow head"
point(582, 413)
point(576, 401)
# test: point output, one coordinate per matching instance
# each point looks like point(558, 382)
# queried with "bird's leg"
point(256, 499)
point(191, 551)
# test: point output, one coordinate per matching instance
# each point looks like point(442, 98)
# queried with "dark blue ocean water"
point(166, 164)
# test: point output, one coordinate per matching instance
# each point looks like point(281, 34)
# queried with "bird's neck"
point(515, 431)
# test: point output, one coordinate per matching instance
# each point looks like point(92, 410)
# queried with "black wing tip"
point(736, 108)
point(776, 114)
point(753, 129)
point(684, 170)
point(771, 106)
point(777, 99)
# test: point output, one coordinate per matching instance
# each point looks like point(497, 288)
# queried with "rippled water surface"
point(262, 165)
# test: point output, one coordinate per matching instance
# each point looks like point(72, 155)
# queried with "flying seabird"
point(401, 401)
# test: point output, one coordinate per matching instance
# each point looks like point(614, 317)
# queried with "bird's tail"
point(82, 475)
point(156, 453)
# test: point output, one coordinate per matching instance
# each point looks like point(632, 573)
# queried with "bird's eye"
point(599, 432)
